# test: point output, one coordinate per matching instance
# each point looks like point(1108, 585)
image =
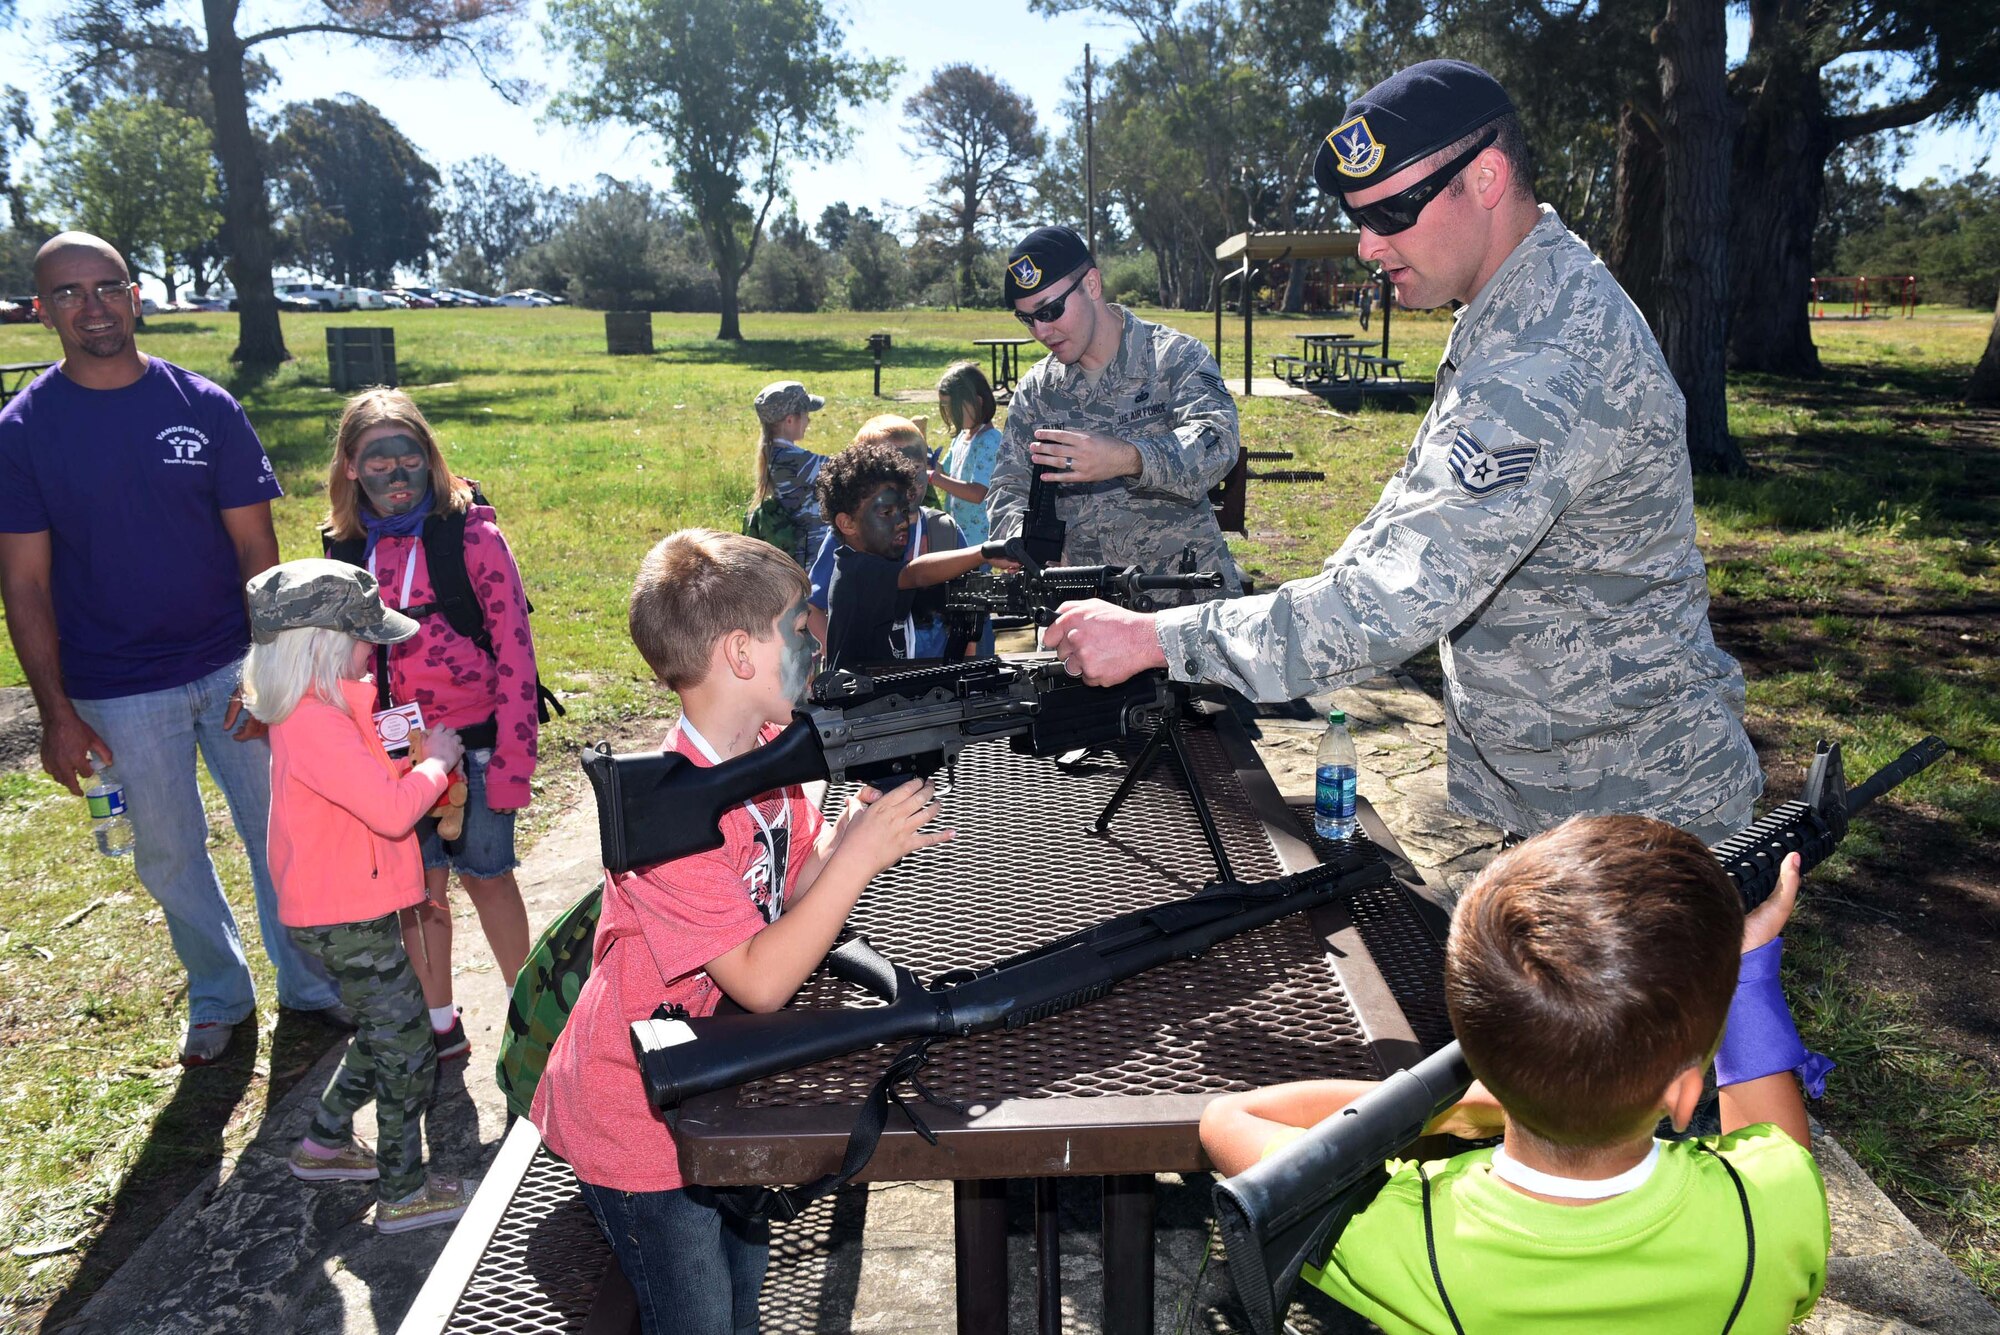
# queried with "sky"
point(455, 117)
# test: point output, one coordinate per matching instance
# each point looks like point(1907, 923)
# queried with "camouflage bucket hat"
point(776, 402)
point(332, 594)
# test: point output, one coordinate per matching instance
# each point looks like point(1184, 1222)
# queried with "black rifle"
point(1283, 1212)
point(680, 1058)
point(1035, 594)
point(657, 805)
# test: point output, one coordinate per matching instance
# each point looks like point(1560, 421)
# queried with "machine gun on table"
point(1034, 593)
point(885, 729)
point(1282, 1213)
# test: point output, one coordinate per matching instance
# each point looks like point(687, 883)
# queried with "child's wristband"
point(1759, 1038)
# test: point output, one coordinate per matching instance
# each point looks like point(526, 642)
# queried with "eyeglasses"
point(71, 298)
point(1398, 212)
point(1051, 310)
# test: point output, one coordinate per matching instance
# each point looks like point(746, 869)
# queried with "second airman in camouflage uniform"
point(1160, 393)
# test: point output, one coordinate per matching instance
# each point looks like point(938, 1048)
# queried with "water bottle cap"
point(1336, 716)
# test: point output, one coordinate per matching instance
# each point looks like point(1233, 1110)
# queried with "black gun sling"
point(1749, 1244)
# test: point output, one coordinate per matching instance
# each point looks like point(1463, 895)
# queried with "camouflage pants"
point(392, 1058)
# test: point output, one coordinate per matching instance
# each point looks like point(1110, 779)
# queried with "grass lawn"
point(1868, 525)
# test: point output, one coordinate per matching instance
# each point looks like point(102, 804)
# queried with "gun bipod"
point(1167, 737)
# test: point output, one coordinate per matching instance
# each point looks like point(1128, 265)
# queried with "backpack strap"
point(451, 584)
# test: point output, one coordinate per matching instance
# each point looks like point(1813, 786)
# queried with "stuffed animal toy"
point(450, 809)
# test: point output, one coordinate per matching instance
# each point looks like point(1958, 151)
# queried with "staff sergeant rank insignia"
point(1026, 276)
point(1481, 471)
point(1355, 147)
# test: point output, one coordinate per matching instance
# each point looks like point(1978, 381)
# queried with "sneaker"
point(452, 1043)
point(203, 1043)
point(441, 1200)
point(354, 1163)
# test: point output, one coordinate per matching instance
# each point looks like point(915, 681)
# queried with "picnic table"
point(1322, 357)
point(1112, 1090)
point(1004, 355)
point(14, 377)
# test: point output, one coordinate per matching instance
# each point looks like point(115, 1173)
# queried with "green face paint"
point(884, 521)
point(395, 474)
point(799, 652)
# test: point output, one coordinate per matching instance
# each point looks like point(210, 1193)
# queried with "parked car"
point(468, 296)
point(523, 299)
point(214, 301)
point(147, 306)
point(291, 302)
point(549, 297)
point(393, 300)
point(368, 299)
point(418, 298)
point(323, 298)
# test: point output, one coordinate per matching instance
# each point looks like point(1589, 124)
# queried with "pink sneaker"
point(354, 1163)
point(442, 1200)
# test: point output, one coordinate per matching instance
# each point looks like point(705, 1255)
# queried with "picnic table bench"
point(1113, 1090)
point(1004, 355)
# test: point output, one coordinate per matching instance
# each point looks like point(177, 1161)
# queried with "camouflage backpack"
point(776, 525)
point(545, 992)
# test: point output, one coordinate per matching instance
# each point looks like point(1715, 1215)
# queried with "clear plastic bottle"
point(111, 828)
point(1335, 773)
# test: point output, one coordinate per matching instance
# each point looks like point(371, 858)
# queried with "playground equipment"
point(1865, 297)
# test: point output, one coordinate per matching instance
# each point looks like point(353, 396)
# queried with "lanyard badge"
point(394, 727)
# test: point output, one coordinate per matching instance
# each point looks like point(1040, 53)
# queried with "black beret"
point(1042, 255)
point(1407, 117)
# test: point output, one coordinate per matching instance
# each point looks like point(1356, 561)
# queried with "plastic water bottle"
point(1335, 773)
point(111, 828)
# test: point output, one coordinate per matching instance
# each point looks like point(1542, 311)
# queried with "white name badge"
point(394, 727)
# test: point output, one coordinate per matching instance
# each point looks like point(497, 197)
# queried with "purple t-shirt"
point(130, 485)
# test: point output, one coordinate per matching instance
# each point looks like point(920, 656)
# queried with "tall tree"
point(1946, 59)
point(986, 137)
point(137, 173)
point(360, 199)
point(1694, 141)
point(734, 89)
point(101, 33)
point(1983, 389)
point(494, 214)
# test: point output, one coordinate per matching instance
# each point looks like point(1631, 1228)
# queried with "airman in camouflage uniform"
point(392, 1058)
point(1160, 393)
point(1541, 529)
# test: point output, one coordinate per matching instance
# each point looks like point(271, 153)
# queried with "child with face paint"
point(721, 619)
point(872, 616)
point(387, 483)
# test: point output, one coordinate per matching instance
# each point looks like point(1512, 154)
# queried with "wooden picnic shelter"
point(1248, 250)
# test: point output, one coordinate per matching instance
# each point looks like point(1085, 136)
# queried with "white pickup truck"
point(328, 298)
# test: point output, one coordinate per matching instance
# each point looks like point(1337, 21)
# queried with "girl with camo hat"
point(345, 863)
point(784, 508)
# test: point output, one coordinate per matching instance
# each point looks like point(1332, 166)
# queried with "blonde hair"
point(696, 586)
point(276, 676)
point(364, 412)
point(965, 397)
point(889, 429)
point(766, 488)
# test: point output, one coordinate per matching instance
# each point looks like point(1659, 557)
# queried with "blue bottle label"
point(1333, 792)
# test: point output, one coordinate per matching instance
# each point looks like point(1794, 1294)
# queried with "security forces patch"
point(1027, 276)
point(1481, 472)
point(1355, 148)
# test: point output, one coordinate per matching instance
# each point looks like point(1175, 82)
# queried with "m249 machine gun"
point(1283, 1212)
point(1035, 594)
point(656, 805)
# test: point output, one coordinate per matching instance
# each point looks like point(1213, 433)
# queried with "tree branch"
point(1894, 116)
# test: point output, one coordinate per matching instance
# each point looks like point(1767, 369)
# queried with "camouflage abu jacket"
point(1541, 529)
point(1162, 394)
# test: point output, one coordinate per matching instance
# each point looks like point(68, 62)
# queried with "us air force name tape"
point(1042, 258)
point(1407, 117)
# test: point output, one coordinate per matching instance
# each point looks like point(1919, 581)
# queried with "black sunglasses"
point(1398, 212)
point(1051, 310)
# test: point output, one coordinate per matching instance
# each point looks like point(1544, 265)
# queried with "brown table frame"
point(1123, 1140)
point(1004, 356)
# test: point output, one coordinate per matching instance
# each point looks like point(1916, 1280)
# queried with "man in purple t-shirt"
point(135, 501)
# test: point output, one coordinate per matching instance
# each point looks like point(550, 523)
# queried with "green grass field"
point(1867, 505)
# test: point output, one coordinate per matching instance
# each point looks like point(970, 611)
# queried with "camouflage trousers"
point(392, 1058)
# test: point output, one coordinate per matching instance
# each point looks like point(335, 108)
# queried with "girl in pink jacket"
point(395, 508)
point(345, 864)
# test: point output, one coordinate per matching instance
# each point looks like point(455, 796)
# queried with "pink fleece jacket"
point(454, 683)
point(342, 814)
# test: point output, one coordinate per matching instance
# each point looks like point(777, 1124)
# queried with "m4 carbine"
point(1283, 1212)
point(656, 805)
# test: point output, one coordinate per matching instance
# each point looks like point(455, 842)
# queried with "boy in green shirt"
point(1589, 975)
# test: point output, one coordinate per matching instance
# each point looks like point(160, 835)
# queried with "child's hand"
point(1768, 919)
point(443, 746)
point(887, 826)
point(1477, 1116)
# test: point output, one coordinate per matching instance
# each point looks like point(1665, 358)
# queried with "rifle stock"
point(1281, 1213)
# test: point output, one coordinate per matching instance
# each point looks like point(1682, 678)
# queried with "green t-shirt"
point(1667, 1256)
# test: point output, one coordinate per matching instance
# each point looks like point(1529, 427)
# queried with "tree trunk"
point(1633, 255)
point(260, 341)
point(727, 276)
point(1983, 390)
point(1775, 194)
point(1295, 287)
point(1694, 142)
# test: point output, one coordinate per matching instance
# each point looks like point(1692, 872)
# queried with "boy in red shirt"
point(721, 619)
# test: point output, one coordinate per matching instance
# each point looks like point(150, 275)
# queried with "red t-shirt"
point(659, 927)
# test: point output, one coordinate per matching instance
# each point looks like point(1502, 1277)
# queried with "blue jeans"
point(484, 849)
point(154, 737)
point(695, 1268)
